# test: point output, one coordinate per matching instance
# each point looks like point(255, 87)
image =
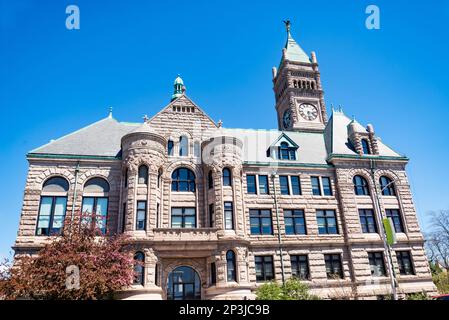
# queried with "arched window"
point(143, 175)
point(361, 187)
point(139, 268)
point(230, 266)
point(286, 152)
point(53, 205)
point(183, 146)
point(183, 284)
point(387, 186)
point(227, 178)
point(170, 146)
point(183, 180)
point(95, 203)
point(210, 180)
point(365, 146)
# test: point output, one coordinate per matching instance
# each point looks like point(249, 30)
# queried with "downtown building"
point(213, 212)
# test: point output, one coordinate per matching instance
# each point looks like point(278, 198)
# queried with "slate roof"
point(103, 139)
point(294, 51)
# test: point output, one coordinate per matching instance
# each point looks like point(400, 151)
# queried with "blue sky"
point(54, 81)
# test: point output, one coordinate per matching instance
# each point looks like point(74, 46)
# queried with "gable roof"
point(282, 138)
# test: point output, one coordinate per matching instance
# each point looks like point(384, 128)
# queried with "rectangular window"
point(264, 268)
point(260, 221)
point(405, 262)
point(158, 213)
point(376, 263)
point(170, 147)
point(95, 212)
point(229, 216)
point(211, 215)
point(124, 217)
point(316, 188)
point(395, 215)
point(300, 266)
point(327, 222)
point(213, 273)
point(251, 184)
point(283, 180)
point(156, 274)
point(367, 221)
point(327, 188)
point(51, 215)
point(334, 267)
point(141, 215)
point(296, 185)
point(183, 218)
point(294, 222)
point(263, 185)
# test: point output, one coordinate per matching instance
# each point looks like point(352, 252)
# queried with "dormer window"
point(365, 146)
point(286, 152)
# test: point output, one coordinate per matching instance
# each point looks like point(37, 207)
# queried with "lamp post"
point(273, 175)
point(387, 247)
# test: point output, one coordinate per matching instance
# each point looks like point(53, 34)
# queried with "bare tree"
point(437, 240)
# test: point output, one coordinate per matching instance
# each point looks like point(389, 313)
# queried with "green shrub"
point(441, 280)
point(293, 289)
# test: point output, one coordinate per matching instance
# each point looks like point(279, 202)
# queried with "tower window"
point(143, 175)
point(365, 146)
point(210, 180)
point(227, 177)
point(230, 266)
point(139, 268)
point(229, 215)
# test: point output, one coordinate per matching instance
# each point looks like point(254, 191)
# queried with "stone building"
point(213, 211)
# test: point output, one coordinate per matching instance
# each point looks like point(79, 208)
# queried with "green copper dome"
point(179, 88)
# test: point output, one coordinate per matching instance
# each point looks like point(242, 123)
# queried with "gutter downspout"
point(77, 170)
point(273, 175)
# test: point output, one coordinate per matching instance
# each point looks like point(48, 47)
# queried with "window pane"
point(251, 184)
point(283, 180)
point(327, 189)
point(59, 214)
point(263, 184)
point(296, 186)
point(44, 216)
point(316, 191)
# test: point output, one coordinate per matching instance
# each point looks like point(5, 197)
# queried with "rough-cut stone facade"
point(212, 149)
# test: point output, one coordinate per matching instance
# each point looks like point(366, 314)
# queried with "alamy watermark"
point(372, 22)
point(72, 22)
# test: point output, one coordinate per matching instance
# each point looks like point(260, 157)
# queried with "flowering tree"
point(79, 264)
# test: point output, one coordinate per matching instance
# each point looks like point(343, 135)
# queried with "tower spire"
point(293, 51)
point(179, 88)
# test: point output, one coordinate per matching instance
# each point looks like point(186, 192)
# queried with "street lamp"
point(387, 247)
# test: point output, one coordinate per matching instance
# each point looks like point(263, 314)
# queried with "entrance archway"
point(183, 284)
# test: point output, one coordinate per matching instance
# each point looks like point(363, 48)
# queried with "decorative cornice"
point(70, 156)
point(366, 157)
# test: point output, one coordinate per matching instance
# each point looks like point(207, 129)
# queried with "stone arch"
point(96, 174)
point(388, 173)
point(197, 170)
point(359, 172)
point(54, 172)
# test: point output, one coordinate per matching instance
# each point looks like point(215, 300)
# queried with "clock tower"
point(298, 92)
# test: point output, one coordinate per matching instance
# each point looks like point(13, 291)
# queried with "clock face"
point(308, 111)
point(287, 119)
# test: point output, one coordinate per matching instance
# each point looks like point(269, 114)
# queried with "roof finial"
point(287, 25)
point(145, 118)
point(110, 112)
point(220, 123)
